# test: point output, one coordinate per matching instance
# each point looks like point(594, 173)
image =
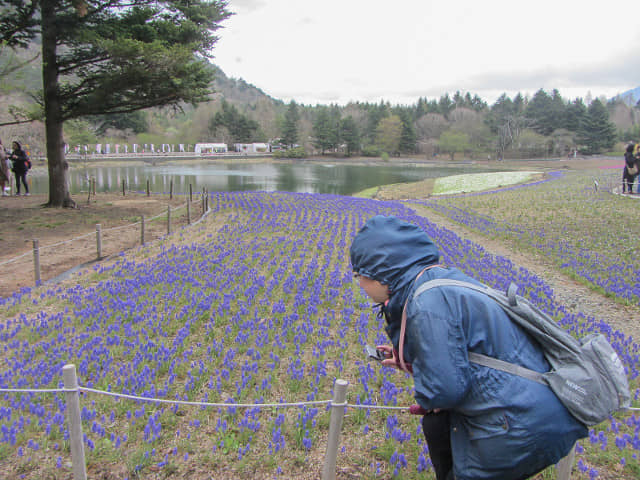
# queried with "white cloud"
point(341, 50)
point(246, 5)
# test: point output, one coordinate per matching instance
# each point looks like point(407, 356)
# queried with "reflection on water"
point(299, 176)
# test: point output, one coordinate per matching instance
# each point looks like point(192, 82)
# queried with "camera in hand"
point(375, 354)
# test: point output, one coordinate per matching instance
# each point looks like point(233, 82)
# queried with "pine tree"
point(350, 135)
point(322, 130)
point(576, 115)
point(598, 133)
point(546, 113)
point(110, 56)
point(408, 136)
point(241, 128)
point(290, 127)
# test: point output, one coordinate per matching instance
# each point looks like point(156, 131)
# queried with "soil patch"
point(67, 237)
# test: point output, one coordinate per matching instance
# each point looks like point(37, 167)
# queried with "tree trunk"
point(58, 168)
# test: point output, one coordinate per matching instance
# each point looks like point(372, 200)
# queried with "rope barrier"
point(157, 216)
point(179, 207)
point(11, 260)
point(121, 227)
point(201, 404)
point(15, 258)
point(40, 390)
point(68, 241)
point(375, 407)
point(204, 404)
point(219, 405)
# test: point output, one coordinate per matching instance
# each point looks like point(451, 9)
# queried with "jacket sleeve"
point(438, 350)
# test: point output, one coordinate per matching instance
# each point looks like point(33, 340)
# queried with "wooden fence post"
point(36, 261)
point(168, 219)
point(99, 240)
point(123, 190)
point(171, 189)
point(75, 422)
point(190, 193)
point(148, 188)
point(188, 211)
point(565, 465)
point(335, 424)
point(142, 231)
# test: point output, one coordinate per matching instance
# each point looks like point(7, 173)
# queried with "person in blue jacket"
point(479, 423)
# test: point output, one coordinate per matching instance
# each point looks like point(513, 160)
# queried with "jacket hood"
point(392, 252)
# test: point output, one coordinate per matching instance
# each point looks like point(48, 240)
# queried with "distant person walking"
point(20, 166)
point(5, 174)
point(630, 171)
point(636, 155)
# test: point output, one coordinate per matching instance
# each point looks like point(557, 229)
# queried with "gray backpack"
point(586, 375)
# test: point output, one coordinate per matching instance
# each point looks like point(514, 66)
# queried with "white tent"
point(211, 148)
point(251, 147)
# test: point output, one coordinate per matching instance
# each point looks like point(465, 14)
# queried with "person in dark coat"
point(20, 166)
point(479, 423)
point(5, 176)
point(630, 163)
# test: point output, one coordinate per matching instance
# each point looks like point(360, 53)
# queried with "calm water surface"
point(298, 176)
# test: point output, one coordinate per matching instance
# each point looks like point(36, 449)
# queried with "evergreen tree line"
point(544, 125)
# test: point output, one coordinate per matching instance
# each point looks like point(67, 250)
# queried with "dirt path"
point(67, 237)
point(569, 293)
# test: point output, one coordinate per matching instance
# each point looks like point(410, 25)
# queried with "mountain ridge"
point(630, 97)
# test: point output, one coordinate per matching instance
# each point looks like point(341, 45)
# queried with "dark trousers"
point(23, 177)
point(627, 181)
point(436, 428)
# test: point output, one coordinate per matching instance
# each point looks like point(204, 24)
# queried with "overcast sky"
point(336, 51)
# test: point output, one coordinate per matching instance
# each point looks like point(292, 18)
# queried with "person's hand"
point(418, 410)
point(387, 350)
point(391, 359)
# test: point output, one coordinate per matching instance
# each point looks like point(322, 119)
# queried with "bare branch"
point(17, 122)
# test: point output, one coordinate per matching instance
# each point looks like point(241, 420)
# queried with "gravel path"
point(573, 295)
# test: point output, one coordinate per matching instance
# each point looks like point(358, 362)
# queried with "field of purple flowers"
point(589, 233)
point(254, 305)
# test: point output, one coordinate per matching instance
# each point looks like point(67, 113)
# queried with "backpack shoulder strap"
point(479, 358)
point(512, 368)
point(403, 323)
point(448, 282)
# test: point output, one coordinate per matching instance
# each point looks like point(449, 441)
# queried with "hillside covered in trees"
point(545, 124)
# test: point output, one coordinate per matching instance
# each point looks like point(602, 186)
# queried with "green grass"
point(368, 193)
point(569, 223)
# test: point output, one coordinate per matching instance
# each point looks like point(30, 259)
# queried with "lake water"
point(295, 176)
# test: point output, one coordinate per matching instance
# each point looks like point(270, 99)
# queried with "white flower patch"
point(477, 182)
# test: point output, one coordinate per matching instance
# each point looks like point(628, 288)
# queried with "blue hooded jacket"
point(502, 426)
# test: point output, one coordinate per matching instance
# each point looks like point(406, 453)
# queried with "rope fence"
point(338, 404)
point(119, 238)
point(76, 438)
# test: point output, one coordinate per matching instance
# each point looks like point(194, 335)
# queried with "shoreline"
point(578, 163)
